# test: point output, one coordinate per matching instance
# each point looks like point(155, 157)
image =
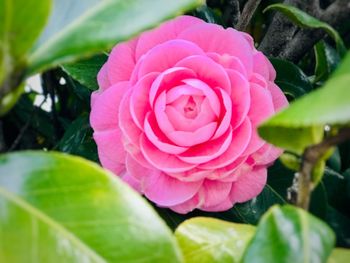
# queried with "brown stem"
point(247, 14)
point(311, 156)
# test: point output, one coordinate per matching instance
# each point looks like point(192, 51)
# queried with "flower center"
point(191, 110)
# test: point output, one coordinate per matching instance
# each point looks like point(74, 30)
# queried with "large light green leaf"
point(102, 27)
point(21, 23)
point(290, 234)
point(209, 240)
point(340, 255)
point(59, 208)
point(304, 20)
point(304, 119)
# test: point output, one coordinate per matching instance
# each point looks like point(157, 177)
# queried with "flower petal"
point(166, 55)
point(215, 77)
point(163, 161)
point(110, 150)
point(214, 38)
point(165, 32)
point(105, 108)
point(121, 61)
point(248, 185)
point(168, 191)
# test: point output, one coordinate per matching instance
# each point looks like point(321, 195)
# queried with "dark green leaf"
point(59, 208)
point(78, 140)
point(340, 224)
point(85, 71)
point(209, 240)
point(207, 14)
point(290, 234)
point(290, 78)
point(327, 60)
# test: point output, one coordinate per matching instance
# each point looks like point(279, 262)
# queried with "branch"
point(247, 14)
point(310, 158)
point(232, 13)
point(335, 15)
point(289, 42)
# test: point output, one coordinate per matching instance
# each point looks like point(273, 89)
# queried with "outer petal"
point(121, 61)
point(105, 108)
point(213, 38)
point(168, 191)
point(279, 99)
point(110, 150)
point(261, 65)
point(248, 185)
point(214, 192)
point(261, 107)
point(189, 205)
point(102, 77)
point(165, 32)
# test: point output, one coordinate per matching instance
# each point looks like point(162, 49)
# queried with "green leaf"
point(304, 20)
point(19, 30)
point(100, 28)
point(340, 224)
point(290, 234)
point(290, 78)
point(327, 60)
point(305, 118)
point(209, 240)
point(78, 140)
point(339, 255)
point(207, 14)
point(251, 211)
point(59, 208)
point(85, 71)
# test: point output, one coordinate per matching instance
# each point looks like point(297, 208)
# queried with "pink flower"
point(177, 111)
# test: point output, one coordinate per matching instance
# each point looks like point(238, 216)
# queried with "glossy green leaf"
point(100, 28)
point(327, 105)
point(71, 10)
point(290, 78)
point(60, 208)
point(290, 234)
point(209, 240)
point(327, 59)
point(339, 255)
point(340, 223)
point(85, 71)
point(304, 20)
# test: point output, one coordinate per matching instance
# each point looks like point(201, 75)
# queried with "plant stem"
point(311, 156)
point(247, 14)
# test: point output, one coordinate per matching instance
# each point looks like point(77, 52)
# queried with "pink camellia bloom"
point(177, 112)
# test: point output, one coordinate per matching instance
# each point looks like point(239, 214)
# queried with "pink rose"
point(177, 111)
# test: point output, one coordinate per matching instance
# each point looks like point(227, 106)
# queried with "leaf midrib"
point(19, 202)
